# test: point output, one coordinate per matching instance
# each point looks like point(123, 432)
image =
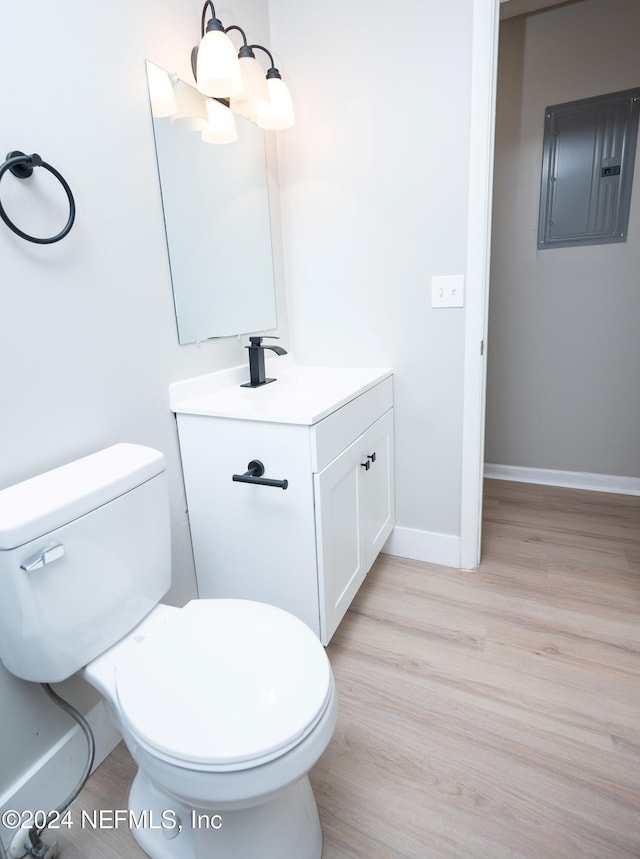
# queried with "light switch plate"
point(447, 290)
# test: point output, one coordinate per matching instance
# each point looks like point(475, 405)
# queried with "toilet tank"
point(85, 554)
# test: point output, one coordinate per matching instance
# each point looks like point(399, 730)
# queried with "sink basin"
point(300, 394)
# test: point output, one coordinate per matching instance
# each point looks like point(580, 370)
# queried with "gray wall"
point(564, 347)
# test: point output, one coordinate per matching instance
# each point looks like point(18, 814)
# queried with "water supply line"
point(33, 844)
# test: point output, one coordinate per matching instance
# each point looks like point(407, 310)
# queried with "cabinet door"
point(340, 530)
point(378, 485)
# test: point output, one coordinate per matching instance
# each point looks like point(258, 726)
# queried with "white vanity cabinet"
point(306, 548)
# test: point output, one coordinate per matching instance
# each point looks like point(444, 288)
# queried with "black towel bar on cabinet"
point(255, 470)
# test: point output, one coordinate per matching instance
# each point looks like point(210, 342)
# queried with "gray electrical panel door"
point(587, 170)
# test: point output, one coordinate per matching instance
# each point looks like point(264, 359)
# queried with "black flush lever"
point(253, 474)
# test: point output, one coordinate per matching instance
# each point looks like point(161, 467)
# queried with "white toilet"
point(225, 705)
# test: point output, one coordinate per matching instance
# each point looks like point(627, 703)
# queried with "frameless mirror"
point(216, 213)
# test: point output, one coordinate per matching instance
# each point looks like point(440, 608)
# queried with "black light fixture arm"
point(269, 54)
point(239, 29)
point(245, 49)
point(214, 22)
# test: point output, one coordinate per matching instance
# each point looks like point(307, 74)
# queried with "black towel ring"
point(21, 166)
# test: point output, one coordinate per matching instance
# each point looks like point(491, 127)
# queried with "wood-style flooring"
point(483, 715)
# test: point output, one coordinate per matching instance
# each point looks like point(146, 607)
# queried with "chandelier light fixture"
point(222, 72)
point(228, 81)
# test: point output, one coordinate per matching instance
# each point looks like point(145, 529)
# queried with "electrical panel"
point(587, 170)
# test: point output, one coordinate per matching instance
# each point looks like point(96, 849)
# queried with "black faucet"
point(256, 361)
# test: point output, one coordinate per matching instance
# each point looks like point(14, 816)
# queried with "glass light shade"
point(278, 113)
point(221, 127)
point(191, 110)
point(254, 90)
point(217, 68)
point(163, 100)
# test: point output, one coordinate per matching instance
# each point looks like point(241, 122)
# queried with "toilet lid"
point(225, 681)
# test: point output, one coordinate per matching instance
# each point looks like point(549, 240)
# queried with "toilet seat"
point(224, 685)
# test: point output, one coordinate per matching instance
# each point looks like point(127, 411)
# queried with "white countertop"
point(300, 394)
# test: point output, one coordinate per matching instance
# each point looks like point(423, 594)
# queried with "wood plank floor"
point(485, 715)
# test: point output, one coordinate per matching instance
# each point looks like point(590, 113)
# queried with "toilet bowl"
point(225, 705)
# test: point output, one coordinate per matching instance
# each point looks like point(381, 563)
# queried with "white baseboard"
point(50, 780)
point(570, 479)
point(428, 546)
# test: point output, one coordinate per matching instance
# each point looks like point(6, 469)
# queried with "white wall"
point(87, 332)
point(374, 194)
point(564, 349)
